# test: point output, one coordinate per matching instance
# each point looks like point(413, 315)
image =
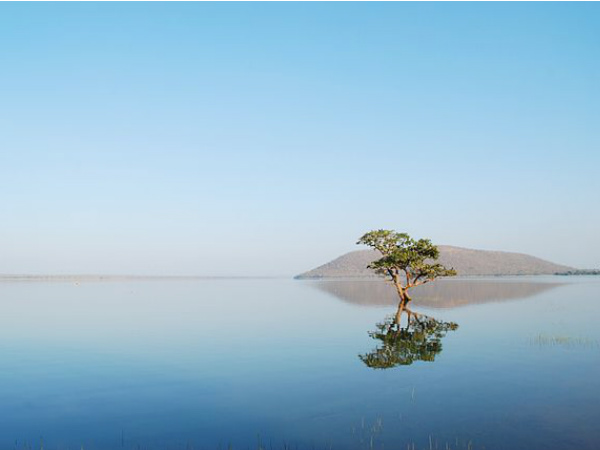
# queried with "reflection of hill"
point(440, 294)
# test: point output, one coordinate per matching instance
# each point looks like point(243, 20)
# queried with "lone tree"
point(405, 261)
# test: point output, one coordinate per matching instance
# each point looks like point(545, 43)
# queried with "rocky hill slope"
point(465, 261)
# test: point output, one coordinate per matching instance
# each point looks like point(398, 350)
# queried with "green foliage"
point(406, 261)
point(420, 340)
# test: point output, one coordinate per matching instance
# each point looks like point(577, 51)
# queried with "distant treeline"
point(580, 272)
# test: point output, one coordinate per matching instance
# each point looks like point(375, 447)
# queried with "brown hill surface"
point(466, 261)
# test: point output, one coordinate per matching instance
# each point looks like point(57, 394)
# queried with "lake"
point(281, 364)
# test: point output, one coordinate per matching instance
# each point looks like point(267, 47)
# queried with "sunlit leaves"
point(401, 253)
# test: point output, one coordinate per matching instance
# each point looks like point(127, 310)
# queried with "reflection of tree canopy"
point(419, 340)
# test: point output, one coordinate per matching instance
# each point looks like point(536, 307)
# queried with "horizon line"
point(116, 277)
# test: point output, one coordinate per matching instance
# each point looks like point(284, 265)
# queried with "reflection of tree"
point(419, 340)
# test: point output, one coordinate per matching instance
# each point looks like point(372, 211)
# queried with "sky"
point(262, 139)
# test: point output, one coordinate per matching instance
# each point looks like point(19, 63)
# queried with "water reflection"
point(441, 294)
point(201, 364)
point(419, 340)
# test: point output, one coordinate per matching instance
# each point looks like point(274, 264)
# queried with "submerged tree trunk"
point(399, 313)
point(404, 300)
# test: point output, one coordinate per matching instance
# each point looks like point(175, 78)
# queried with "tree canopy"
point(406, 261)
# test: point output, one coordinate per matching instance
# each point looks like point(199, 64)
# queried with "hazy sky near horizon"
point(265, 138)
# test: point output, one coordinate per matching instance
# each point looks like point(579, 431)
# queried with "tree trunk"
point(404, 299)
point(403, 294)
point(399, 311)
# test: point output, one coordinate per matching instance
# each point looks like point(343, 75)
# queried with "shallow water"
point(275, 364)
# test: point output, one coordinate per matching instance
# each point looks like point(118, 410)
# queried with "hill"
point(467, 262)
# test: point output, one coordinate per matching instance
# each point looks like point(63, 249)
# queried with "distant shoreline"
point(459, 277)
point(122, 278)
point(84, 277)
point(579, 272)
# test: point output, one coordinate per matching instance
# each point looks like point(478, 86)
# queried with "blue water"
point(275, 364)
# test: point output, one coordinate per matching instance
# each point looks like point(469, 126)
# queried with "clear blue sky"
point(264, 139)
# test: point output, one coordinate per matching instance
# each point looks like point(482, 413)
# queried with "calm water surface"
point(275, 363)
